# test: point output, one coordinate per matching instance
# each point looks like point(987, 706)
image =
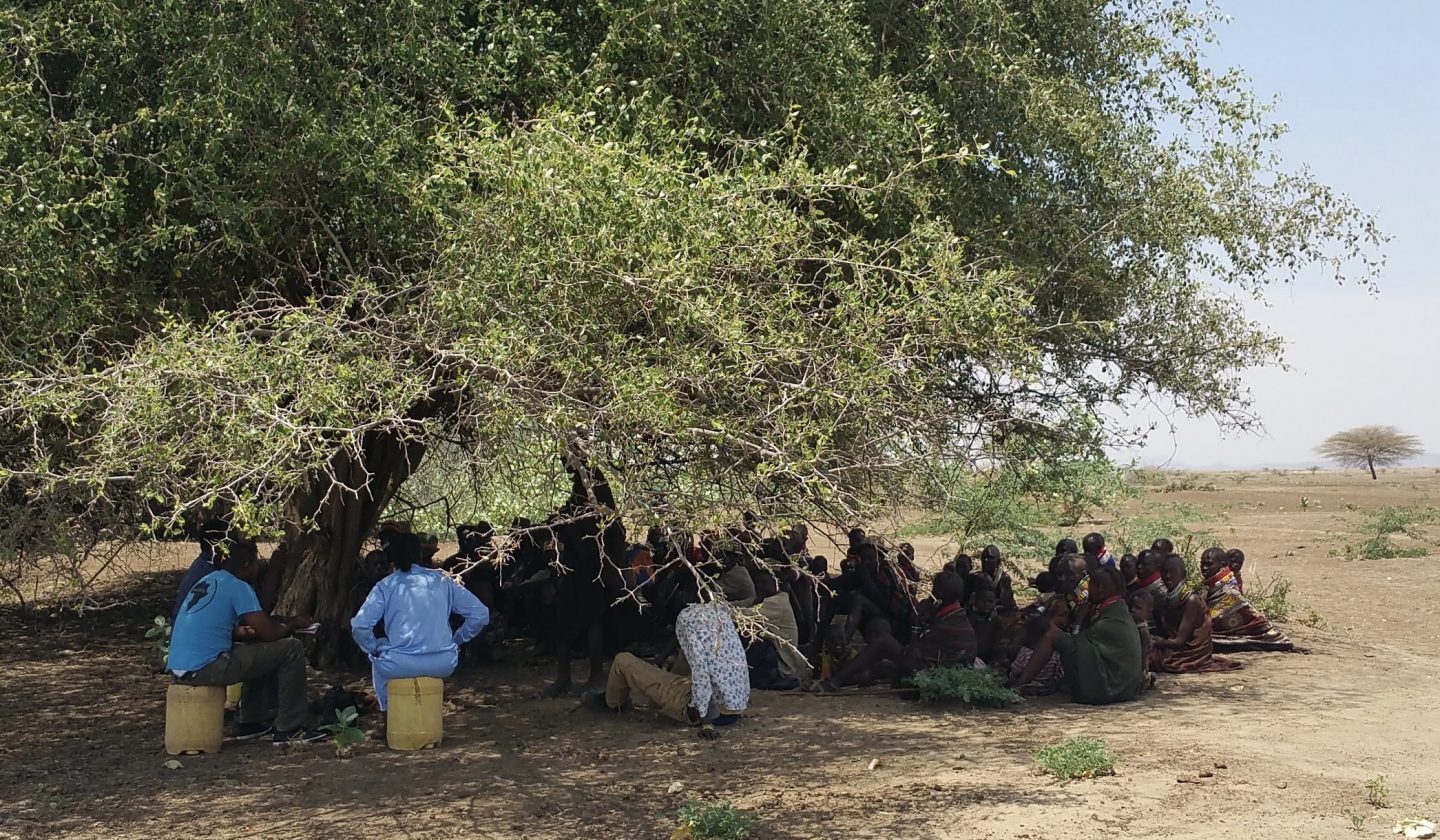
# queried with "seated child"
point(1048, 680)
point(986, 623)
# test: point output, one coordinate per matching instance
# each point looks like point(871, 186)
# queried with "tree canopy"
point(1370, 447)
point(262, 256)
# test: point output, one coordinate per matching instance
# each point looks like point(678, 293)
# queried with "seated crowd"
point(711, 619)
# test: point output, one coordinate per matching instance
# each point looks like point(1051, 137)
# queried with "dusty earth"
point(1282, 748)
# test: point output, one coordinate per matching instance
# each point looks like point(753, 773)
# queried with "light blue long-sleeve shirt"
point(416, 606)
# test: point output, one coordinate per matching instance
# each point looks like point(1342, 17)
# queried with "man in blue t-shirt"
point(222, 607)
point(211, 534)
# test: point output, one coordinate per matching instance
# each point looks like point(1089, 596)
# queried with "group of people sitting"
point(736, 611)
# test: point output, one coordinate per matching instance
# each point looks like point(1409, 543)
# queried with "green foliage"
point(1393, 519)
point(1010, 503)
point(1306, 503)
point(1377, 526)
point(344, 733)
point(1135, 531)
point(963, 685)
point(1272, 598)
point(1377, 792)
point(159, 635)
point(698, 821)
point(739, 251)
point(1076, 758)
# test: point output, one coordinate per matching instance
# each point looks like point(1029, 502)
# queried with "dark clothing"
point(1103, 660)
point(198, 569)
point(947, 640)
point(263, 667)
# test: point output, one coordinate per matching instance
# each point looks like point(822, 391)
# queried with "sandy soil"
point(1280, 749)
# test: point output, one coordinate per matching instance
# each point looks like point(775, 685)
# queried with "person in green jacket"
point(1102, 660)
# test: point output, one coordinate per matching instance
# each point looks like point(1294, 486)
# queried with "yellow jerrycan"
point(194, 718)
point(416, 717)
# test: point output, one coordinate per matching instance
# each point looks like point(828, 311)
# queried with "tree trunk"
point(314, 568)
point(1370, 462)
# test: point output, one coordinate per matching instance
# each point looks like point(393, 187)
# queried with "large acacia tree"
point(261, 257)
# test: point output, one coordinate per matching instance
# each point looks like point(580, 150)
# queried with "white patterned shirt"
point(718, 670)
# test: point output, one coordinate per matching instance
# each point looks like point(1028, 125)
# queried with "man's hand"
point(708, 732)
point(298, 622)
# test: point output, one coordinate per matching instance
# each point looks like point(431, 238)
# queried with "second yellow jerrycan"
point(416, 717)
point(194, 718)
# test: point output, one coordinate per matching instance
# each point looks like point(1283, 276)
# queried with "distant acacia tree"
point(1370, 446)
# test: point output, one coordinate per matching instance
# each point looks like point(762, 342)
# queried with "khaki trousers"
point(631, 675)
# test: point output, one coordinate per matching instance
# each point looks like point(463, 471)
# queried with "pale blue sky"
point(1359, 85)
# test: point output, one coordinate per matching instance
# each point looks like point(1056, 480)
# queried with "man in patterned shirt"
point(718, 688)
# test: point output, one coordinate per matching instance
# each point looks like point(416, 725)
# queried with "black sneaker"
point(298, 736)
point(250, 731)
point(595, 701)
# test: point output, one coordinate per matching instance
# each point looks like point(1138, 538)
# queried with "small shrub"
point(1396, 519)
point(1377, 793)
point(698, 821)
point(343, 732)
point(963, 685)
point(1076, 758)
point(1313, 619)
point(159, 635)
point(1357, 821)
point(1306, 503)
point(1271, 598)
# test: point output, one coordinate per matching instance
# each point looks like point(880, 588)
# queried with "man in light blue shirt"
point(415, 603)
point(222, 607)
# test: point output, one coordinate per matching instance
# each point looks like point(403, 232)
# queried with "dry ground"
point(1288, 742)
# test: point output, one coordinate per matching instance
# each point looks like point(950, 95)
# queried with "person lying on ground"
point(416, 603)
point(1102, 659)
point(718, 688)
point(1049, 676)
point(218, 609)
point(1182, 644)
point(1237, 625)
point(946, 640)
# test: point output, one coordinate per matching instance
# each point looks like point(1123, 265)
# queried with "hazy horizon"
point(1350, 81)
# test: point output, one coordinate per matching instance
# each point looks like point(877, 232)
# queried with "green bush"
point(1271, 598)
point(1076, 758)
point(698, 821)
point(963, 685)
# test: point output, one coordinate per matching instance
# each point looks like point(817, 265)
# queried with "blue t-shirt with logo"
point(205, 626)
